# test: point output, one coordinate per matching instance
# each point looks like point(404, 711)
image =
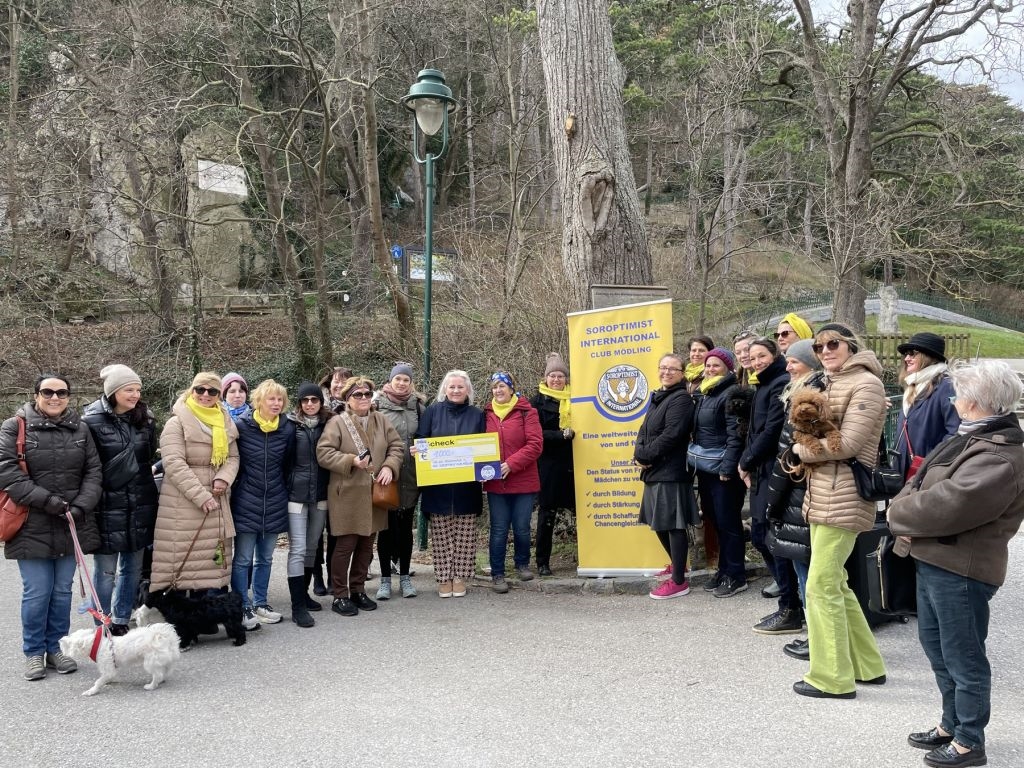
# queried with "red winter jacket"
point(521, 441)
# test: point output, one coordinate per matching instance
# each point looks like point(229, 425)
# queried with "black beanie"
point(847, 335)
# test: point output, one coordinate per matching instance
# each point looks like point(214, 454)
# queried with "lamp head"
point(429, 98)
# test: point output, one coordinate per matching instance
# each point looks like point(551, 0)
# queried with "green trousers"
point(842, 647)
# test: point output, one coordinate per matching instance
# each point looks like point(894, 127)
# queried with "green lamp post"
point(431, 101)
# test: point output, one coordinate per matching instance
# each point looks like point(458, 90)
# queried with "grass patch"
point(984, 341)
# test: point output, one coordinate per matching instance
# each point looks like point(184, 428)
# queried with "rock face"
point(888, 310)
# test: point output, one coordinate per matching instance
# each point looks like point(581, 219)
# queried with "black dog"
point(199, 613)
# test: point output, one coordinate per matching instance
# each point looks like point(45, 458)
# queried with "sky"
point(1000, 50)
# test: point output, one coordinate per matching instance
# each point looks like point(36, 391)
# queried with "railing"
point(884, 346)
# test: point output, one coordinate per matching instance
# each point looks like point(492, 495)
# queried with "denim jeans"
point(45, 603)
point(298, 522)
point(116, 579)
point(724, 501)
point(802, 569)
point(510, 510)
point(952, 625)
point(257, 550)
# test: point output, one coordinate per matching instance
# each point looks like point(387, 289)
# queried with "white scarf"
point(918, 380)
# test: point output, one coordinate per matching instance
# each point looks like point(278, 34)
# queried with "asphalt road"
point(550, 675)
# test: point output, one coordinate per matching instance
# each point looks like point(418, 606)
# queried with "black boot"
point(311, 604)
point(300, 614)
point(319, 588)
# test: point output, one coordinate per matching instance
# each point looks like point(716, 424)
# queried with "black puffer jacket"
point(557, 489)
point(126, 515)
point(661, 441)
point(767, 415)
point(307, 483)
point(259, 495)
point(789, 535)
point(62, 461)
point(715, 427)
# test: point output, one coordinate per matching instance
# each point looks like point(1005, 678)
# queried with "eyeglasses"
point(206, 391)
point(311, 399)
point(782, 334)
point(664, 369)
point(831, 345)
point(748, 334)
point(361, 395)
point(60, 394)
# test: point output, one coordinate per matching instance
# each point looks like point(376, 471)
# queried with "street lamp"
point(431, 101)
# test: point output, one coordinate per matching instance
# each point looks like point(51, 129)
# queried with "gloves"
point(77, 514)
point(567, 433)
point(55, 504)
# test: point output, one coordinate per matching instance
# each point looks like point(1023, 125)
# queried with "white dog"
point(154, 646)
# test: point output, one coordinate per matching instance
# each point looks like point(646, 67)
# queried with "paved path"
point(532, 678)
point(913, 308)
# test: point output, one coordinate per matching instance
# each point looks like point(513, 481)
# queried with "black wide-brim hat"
point(931, 344)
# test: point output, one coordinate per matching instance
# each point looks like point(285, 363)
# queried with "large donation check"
point(458, 459)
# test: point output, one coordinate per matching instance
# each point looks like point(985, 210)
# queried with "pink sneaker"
point(666, 572)
point(668, 589)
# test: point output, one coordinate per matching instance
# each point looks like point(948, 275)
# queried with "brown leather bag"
point(384, 496)
point(12, 514)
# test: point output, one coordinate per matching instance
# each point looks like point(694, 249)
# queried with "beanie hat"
point(309, 389)
point(801, 350)
point(228, 380)
point(401, 369)
point(555, 363)
point(844, 332)
point(117, 376)
point(724, 355)
point(931, 344)
point(799, 325)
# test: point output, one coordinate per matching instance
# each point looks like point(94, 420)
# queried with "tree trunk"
point(604, 238)
point(13, 213)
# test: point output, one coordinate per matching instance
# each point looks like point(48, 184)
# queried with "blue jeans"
point(802, 569)
point(509, 510)
point(257, 550)
point(116, 579)
point(952, 625)
point(45, 603)
point(724, 501)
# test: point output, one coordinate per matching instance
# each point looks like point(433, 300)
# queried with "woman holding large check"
point(452, 507)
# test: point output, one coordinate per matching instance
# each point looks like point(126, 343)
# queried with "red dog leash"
point(103, 630)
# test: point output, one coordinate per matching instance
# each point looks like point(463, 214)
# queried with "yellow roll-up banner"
point(613, 356)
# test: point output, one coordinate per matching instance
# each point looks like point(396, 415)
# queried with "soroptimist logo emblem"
point(622, 389)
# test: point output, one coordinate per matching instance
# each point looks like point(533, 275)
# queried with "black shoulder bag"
point(881, 482)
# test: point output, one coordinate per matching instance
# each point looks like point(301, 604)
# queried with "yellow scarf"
point(693, 372)
point(266, 426)
point(213, 417)
point(708, 384)
point(562, 396)
point(502, 410)
point(752, 379)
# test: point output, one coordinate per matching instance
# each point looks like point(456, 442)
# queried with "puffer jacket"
point(857, 399)
point(661, 439)
point(307, 483)
point(181, 523)
point(62, 461)
point(405, 418)
point(715, 427)
point(349, 506)
point(557, 489)
point(929, 421)
point(767, 415)
point(521, 442)
point(260, 495)
point(789, 535)
point(965, 503)
point(445, 419)
point(126, 516)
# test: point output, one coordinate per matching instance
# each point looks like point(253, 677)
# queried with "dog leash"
point(103, 630)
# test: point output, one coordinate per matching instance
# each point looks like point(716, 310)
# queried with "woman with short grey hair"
point(955, 518)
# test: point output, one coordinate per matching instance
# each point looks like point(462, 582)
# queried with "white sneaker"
point(249, 620)
point(267, 615)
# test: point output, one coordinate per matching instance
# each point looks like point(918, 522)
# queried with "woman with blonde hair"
point(359, 447)
point(194, 536)
point(266, 452)
point(843, 650)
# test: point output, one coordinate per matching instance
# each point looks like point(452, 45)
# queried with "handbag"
point(878, 483)
point(121, 469)
point(891, 580)
point(381, 496)
point(915, 461)
point(705, 459)
point(13, 514)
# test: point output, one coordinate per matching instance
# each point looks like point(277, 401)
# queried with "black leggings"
point(396, 541)
point(675, 543)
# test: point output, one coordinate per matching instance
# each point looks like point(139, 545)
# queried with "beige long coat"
point(348, 492)
point(185, 446)
point(857, 399)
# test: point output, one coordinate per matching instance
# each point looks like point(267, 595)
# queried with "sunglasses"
point(831, 345)
point(742, 335)
point(206, 391)
point(62, 394)
point(311, 399)
point(362, 395)
point(782, 334)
